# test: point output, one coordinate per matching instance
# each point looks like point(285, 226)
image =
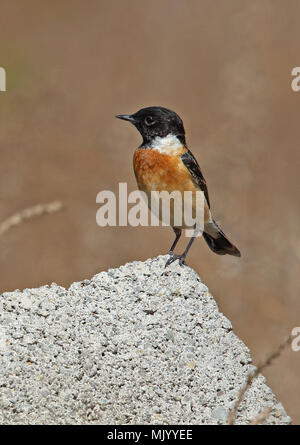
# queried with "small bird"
point(163, 162)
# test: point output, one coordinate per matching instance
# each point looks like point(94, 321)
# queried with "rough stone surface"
point(129, 346)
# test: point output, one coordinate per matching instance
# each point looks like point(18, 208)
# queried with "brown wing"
point(192, 165)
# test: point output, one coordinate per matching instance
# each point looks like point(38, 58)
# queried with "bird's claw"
point(175, 257)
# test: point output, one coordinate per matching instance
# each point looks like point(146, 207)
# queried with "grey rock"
point(133, 345)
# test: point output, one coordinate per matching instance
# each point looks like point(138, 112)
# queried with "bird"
point(163, 162)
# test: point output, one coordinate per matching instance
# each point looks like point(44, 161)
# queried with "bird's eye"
point(149, 121)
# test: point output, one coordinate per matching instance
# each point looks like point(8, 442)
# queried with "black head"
point(156, 121)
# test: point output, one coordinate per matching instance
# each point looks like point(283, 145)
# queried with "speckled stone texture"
point(133, 345)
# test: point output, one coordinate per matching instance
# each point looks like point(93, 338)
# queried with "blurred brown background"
point(225, 67)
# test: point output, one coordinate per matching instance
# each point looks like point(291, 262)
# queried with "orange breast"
point(158, 171)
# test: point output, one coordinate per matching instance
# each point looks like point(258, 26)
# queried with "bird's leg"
point(182, 257)
point(178, 235)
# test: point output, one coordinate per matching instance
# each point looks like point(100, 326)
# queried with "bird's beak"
point(126, 117)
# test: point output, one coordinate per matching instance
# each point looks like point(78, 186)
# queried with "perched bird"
point(163, 162)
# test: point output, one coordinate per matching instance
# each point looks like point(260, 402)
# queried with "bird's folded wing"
point(192, 165)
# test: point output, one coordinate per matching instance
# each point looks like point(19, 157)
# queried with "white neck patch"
point(169, 144)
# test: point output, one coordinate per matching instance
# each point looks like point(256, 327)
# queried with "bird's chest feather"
point(161, 171)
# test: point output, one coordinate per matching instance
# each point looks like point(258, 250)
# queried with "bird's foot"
point(175, 257)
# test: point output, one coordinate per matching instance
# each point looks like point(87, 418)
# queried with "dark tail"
point(218, 242)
